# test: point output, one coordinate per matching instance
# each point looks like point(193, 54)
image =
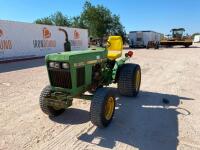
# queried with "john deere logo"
point(1, 33)
point(46, 33)
point(4, 43)
point(46, 42)
point(76, 35)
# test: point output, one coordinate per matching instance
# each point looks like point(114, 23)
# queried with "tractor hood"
point(78, 56)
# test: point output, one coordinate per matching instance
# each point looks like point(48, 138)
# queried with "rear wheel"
point(187, 46)
point(157, 45)
point(129, 80)
point(49, 110)
point(102, 107)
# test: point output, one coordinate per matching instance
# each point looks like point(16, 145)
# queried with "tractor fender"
point(117, 73)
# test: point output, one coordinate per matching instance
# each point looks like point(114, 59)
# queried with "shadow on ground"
point(144, 122)
point(19, 65)
point(72, 116)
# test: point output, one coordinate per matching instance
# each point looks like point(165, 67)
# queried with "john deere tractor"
point(73, 73)
point(177, 38)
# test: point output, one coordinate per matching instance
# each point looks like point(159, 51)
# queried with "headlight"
point(54, 65)
point(65, 65)
point(57, 65)
point(51, 64)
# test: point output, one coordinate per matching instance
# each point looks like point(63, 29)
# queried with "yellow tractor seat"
point(115, 46)
point(112, 55)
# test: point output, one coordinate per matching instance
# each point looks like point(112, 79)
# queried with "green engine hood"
point(77, 56)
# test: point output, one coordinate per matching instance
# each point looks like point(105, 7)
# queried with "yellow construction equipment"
point(177, 38)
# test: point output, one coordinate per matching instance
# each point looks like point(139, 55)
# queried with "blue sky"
point(158, 15)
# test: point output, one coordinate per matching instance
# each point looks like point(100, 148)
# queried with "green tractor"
point(73, 73)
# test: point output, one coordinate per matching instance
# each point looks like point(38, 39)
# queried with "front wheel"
point(102, 107)
point(129, 80)
point(49, 110)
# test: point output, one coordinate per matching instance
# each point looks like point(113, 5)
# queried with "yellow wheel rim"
point(109, 108)
point(138, 79)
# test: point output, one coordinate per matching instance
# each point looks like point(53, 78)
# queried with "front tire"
point(102, 107)
point(129, 80)
point(49, 110)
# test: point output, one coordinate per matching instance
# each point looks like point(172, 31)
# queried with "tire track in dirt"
point(66, 137)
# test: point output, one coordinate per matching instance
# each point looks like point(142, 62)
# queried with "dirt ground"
point(144, 123)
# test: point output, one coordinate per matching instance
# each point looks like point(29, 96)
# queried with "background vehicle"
point(73, 73)
point(143, 39)
point(196, 39)
point(177, 38)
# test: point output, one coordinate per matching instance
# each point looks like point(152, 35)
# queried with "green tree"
point(117, 28)
point(45, 20)
point(77, 22)
point(101, 22)
point(56, 19)
point(98, 19)
point(60, 20)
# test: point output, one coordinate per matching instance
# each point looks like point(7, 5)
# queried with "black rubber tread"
point(157, 45)
point(127, 80)
point(97, 107)
point(187, 46)
point(44, 107)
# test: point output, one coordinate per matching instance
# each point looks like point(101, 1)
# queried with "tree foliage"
point(45, 20)
point(60, 20)
point(117, 28)
point(98, 19)
point(77, 22)
point(57, 19)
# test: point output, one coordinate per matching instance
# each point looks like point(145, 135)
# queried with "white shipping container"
point(141, 38)
point(19, 39)
point(196, 39)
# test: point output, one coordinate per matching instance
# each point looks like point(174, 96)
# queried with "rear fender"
point(117, 67)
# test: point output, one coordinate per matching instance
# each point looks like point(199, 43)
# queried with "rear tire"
point(46, 92)
point(187, 46)
point(102, 107)
point(157, 45)
point(129, 80)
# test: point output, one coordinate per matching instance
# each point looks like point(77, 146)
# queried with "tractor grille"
point(80, 75)
point(60, 78)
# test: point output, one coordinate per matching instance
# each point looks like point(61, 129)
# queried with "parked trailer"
point(196, 39)
point(144, 39)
